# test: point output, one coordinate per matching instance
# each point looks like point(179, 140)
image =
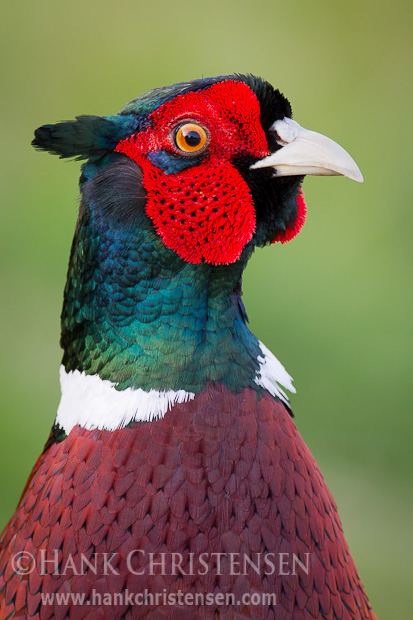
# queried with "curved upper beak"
point(307, 152)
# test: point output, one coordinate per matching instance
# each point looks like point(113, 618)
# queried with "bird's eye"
point(191, 138)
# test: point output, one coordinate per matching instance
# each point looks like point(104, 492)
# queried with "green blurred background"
point(334, 305)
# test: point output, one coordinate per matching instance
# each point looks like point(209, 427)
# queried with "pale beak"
point(307, 152)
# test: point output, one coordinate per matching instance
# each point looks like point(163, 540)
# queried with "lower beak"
point(307, 152)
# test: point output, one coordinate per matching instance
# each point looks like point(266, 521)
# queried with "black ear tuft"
point(86, 136)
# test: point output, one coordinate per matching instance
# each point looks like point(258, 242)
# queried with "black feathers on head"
point(116, 192)
point(85, 137)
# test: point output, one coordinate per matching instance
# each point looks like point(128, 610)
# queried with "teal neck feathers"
point(137, 315)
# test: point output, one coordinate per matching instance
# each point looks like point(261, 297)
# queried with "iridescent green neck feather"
point(135, 313)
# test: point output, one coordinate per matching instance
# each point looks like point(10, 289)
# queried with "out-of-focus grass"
point(334, 305)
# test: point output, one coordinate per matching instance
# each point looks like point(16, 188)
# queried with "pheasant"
point(174, 484)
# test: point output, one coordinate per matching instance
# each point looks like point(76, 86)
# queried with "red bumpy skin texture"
point(223, 473)
point(205, 212)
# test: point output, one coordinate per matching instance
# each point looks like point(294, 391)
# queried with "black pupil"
point(192, 138)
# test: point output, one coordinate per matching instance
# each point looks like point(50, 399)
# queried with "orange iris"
point(191, 138)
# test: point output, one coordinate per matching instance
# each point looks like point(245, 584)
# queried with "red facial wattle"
point(204, 212)
point(291, 230)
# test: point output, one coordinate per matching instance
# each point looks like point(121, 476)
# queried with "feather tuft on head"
point(86, 136)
